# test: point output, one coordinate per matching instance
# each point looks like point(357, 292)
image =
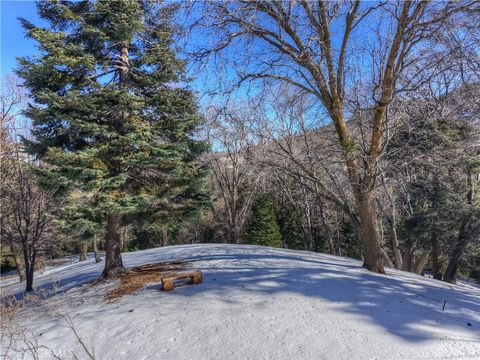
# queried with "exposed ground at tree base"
point(138, 277)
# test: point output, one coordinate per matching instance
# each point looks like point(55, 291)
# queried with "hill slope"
point(260, 303)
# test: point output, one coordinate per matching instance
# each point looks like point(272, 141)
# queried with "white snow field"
point(258, 303)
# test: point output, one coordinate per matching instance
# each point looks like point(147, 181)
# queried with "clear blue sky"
point(13, 43)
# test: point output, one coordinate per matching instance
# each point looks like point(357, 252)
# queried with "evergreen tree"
point(290, 222)
point(109, 115)
point(262, 226)
point(437, 211)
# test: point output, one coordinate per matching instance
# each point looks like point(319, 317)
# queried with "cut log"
point(195, 277)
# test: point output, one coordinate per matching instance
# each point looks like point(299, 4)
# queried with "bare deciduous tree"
point(25, 224)
point(236, 176)
point(25, 214)
point(334, 51)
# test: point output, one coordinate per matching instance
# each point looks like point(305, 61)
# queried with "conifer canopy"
point(111, 115)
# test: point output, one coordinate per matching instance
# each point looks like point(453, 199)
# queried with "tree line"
point(299, 198)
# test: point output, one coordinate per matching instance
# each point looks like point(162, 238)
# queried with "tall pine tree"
point(262, 226)
point(109, 115)
point(289, 218)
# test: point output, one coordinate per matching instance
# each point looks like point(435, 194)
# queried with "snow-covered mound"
point(259, 303)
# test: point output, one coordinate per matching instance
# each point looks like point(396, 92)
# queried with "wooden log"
point(167, 284)
point(195, 277)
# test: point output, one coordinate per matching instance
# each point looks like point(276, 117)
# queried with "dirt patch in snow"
point(136, 278)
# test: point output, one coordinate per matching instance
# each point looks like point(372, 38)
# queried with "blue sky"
point(13, 43)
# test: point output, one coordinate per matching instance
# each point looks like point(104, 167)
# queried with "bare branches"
point(18, 339)
point(320, 48)
point(25, 224)
point(234, 165)
point(70, 324)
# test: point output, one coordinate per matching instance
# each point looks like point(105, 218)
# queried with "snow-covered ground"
point(258, 303)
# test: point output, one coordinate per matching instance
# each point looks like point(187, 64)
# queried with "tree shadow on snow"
point(398, 301)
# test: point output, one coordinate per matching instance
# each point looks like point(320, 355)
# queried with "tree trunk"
point(464, 238)
point(462, 241)
point(83, 251)
point(468, 231)
point(373, 255)
point(29, 274)
point(308, 218)
point(29, 270)
point(436, 271)
point(19, 264)
point(386, 258)
point(29, 261)
point(238, 235)
point(164, 235)
point(395, 247)
point(422, 261)
point(392, 221)
point(451, 272)
point(113, 256)
point(123, 238)
point(96, 252)
point(409, 256)
point(332, 244)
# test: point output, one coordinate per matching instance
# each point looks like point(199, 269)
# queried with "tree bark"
point(113, 236)
point(469, 229)
point(436, 271)
point(386, 258)
point(164, 235)
point(395, 246)
point(83, 251)
point(29, 278)
point(422, 261)
point(308, 217)
point(96, 252)
point(332, 245)
point(451, 271)
point(392, 221)
point(408, 257)
point(29, 261)
point(19, 264)
point(113, 256)
point(29, 270)
point(373, 254)
point(464, 238)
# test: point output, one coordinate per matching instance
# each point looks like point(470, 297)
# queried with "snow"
point(258, 303)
